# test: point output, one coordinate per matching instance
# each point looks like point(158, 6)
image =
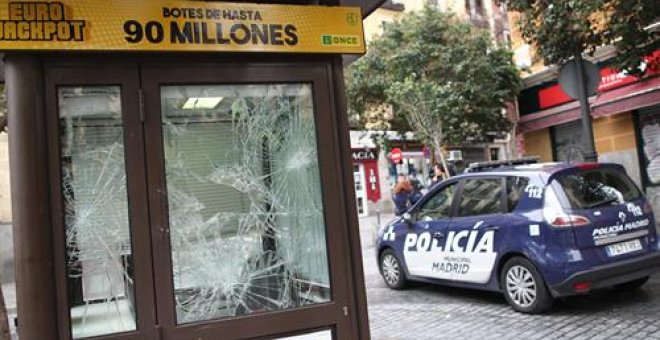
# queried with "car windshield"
point(598, 187)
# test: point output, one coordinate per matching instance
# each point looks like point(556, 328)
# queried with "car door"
point(472, 237)
point(426, 233)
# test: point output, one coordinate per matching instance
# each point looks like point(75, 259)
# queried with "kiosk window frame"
point(140, 79)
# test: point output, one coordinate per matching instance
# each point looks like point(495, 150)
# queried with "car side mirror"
point(407, 218)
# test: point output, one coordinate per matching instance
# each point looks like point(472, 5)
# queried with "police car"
point(534, 232)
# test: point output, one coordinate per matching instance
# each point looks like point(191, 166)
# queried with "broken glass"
point(244, 195)
point(98, 242)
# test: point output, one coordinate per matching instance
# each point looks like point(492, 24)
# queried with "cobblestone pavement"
point(435, 312)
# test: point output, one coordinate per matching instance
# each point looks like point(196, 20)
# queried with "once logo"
point(340, 40)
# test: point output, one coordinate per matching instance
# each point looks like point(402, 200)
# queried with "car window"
point(593, 188)
point(481, 196)
point(439, 205)
point(515, 187)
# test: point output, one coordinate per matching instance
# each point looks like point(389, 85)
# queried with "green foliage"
point(559, 28)
point(446, 78)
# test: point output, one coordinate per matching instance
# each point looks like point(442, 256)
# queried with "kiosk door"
point(197, 202)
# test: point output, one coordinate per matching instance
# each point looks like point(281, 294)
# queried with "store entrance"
point(196, 202)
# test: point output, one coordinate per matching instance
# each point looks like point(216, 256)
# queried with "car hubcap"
point(390, 270)
point(520, 286)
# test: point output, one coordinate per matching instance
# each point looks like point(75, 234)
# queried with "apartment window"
point(479, 7)
point(475, 8)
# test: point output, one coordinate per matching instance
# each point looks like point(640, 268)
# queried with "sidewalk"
point(369, 228)
point(9, 293)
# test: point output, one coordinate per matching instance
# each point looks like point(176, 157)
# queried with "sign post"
point(579, 79)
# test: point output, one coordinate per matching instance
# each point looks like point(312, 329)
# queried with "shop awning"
point(631, 97)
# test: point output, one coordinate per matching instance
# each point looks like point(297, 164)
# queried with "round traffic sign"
point(568, 78)
point(396, 155)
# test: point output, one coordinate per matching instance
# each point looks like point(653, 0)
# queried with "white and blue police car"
point(534, 232)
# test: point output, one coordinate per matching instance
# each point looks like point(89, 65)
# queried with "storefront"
point(625, 115)
point(413, 163)
point(181, 170)
point(366, 178)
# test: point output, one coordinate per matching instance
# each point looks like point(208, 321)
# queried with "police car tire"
point(543, 301)
point(401, 282)
point(632, 285)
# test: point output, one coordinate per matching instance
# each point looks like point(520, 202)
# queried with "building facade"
point(625, 116)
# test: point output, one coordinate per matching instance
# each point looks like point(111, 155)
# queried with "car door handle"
point(493, 228)
point(438, 235)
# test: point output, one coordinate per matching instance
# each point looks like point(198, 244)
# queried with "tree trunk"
point(4, 322)
point(443, 162)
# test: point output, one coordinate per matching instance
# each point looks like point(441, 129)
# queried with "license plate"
point(624, 247)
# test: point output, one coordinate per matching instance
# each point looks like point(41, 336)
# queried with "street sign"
point(568, 78)
point(396, 155)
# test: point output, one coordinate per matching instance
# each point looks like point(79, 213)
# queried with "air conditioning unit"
point(455, 155)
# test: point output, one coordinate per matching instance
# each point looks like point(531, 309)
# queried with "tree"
point(447, 78)
point(561, 28)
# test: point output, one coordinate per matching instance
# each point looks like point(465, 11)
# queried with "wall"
point(614, 133)
point(538, 143)
point(373, 24)
point(524, 54)
point(614, 137)
point(413, 5)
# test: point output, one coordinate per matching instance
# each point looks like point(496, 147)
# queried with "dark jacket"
point(401, 202)
point(414, 197)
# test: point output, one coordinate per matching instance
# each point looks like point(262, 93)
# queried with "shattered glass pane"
point(98, 242)
point(245, 205)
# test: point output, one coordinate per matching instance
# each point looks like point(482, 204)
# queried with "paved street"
point(433, 312)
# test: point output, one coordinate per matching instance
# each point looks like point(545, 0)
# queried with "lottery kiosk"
point(182, 169)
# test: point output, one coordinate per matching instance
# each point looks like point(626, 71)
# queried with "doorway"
point(196, 201)
point(360, 189)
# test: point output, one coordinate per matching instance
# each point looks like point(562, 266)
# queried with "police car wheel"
point(391, 270)
point(524, 288)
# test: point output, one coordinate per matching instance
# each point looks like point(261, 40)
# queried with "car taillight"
point(582, 286)
point(555, 214)
point(568, 220)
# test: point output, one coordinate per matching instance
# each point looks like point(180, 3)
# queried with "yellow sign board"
point(144, 25)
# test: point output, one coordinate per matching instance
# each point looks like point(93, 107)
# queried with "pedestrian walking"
point(438, 174)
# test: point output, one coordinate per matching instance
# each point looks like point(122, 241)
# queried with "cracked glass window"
point(98, 242)
point(246, 216)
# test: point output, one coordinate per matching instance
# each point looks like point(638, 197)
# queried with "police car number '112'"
point(624, 247)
